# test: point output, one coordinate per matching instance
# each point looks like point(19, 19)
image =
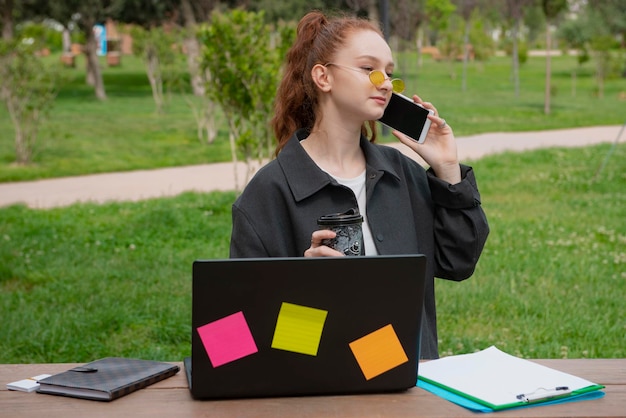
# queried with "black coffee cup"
point(347, 226)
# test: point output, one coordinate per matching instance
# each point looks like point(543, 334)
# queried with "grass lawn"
point(89, 281)
point(84, 135)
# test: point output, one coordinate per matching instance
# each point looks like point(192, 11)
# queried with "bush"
point(28, 88)
point(40, 36)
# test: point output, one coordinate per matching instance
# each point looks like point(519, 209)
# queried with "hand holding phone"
point(408, 117)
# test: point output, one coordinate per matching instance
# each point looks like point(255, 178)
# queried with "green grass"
point(88, 281)
point(84, 135)
point(552, 278)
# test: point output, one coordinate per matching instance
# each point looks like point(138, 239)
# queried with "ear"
point(321, 77)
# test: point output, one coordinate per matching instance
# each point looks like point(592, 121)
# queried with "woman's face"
point(351, 87)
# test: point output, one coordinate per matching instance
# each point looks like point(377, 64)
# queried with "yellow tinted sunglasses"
point(377, 77)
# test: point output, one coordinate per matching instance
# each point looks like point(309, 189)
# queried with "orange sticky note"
point(378, 352)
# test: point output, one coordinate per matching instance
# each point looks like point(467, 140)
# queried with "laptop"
point(305, 326)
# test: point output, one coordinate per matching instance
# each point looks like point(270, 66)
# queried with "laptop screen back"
point(305, 326)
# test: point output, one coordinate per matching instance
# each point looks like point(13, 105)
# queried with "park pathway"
point(146, 184)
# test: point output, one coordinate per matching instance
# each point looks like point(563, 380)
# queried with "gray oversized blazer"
point(409, 211)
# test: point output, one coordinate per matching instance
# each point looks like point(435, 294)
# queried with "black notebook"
point(107, 379)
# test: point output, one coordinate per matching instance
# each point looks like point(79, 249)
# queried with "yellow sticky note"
point(299, 328)
point(378, 352)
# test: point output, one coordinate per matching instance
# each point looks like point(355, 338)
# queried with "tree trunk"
point(192, 46)
point(232, 139)
point(546, 105)
point(466, 51)
point(94, 73)
point(515, 54)
point(7, 19)
point(156, 81)
point(602, 60)
point(16, 117)
point(204, 114)
point(67, 41)
point(419, 43)
point(193, 64)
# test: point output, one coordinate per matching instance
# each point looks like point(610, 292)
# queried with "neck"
point(337, 153)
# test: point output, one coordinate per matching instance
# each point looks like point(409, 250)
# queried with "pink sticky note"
point(227, 339)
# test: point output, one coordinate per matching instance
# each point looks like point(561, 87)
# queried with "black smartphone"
point(406, 116)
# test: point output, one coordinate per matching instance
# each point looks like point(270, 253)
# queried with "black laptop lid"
point(305, 326)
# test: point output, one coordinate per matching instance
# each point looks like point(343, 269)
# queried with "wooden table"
point(171, 398)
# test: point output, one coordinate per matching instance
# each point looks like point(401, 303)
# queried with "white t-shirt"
point(357, 184)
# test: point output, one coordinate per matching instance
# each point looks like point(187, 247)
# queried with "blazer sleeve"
point(245, 241)
point(460, 225)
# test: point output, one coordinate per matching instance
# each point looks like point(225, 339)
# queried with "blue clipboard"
point(476, 407)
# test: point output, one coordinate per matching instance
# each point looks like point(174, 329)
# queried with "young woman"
point(337, 82)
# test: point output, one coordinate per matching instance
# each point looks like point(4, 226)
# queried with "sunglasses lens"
point(397, 85)
point(377, 78)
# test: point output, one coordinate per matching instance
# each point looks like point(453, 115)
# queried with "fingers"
point(427, 105)
point(322, 251)
point(438, 120)
point(317, 248)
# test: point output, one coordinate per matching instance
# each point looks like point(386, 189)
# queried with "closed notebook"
point(107, 379)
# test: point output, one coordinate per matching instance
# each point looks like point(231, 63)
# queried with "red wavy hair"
point(317, 39)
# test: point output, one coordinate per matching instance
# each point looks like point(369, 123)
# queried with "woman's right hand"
point(317, 249)
point(439, 150)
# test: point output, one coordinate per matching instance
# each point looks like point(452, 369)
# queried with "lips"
point(382, 100)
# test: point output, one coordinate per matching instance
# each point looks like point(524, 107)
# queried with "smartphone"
point(408, 117)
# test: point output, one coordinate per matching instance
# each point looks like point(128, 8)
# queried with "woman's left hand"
point(439, 150)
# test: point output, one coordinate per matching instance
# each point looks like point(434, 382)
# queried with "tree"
point(6, 16)
point(407, 22)
point(85, 14)
point(438, 12)
point(551, 9)
point(450, 43)
point(574, 35)
point(466, 9)
point(192, 46)
point(598, 30)
point(28, 89)
point(152, 42)
point(293, 10)
point(158, 48)
point(514, 12)
point(162, 31)
point(243, 57)
point(607, 26)
point(201, 105)
point(150, 15)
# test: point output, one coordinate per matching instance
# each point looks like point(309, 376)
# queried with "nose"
point(379, 79)
point(387, 84)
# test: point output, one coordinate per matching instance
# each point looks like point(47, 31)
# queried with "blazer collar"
point(305, 178)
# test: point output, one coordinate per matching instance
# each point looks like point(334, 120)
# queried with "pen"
point(543, 394)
